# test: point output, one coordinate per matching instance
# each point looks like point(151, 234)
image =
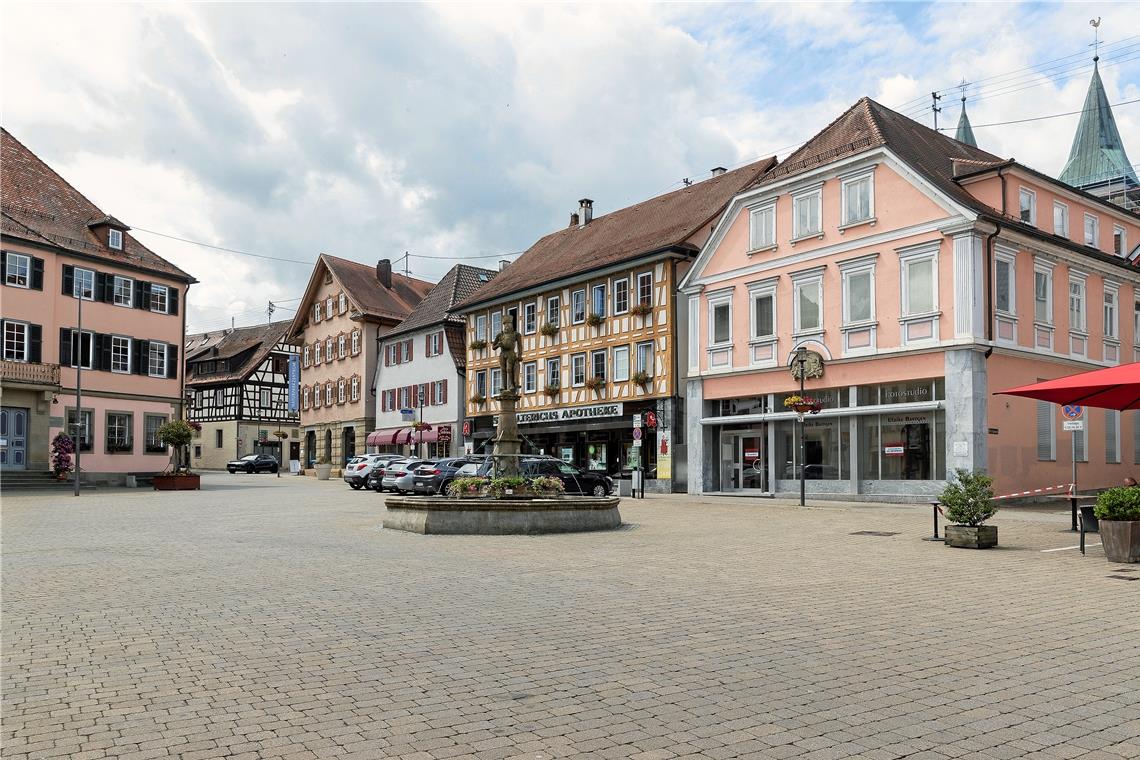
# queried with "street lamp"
point(801, 359)
point(81, 428)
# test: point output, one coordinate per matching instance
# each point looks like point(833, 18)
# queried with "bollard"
point(935, 510)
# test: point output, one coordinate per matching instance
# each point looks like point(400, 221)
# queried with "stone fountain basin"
point(493, 517)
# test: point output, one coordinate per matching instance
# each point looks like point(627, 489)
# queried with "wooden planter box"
point(1121, 540)
point(178, 482)
point(965, 537)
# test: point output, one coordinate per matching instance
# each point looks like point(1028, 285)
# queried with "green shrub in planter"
point(472, 486)
point(498, 487)
point(545, 485)
point(968, 498)
point(1118, 504)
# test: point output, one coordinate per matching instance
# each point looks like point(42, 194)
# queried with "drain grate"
point(873, 533)
point(1124, 577)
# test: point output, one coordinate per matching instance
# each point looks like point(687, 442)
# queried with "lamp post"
point(801, 359)
point(79, 424)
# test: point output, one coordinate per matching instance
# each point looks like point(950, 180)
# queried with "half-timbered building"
point(596, 310)
point(238, 383)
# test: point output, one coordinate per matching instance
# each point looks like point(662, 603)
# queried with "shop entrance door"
point(744, 465)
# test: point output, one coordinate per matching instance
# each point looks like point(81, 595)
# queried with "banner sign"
point(664, 454)
point(443, 434)
point(570, 413)
point(294, 382)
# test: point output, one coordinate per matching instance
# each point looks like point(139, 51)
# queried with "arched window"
point(328, 445)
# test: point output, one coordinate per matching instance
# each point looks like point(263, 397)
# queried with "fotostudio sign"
point(568, 414)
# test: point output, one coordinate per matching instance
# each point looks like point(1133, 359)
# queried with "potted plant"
point(548, 330)
point(552, 389)
point(177, 434)
point(968, 498)
point(62, 447)
point(323, 467)
point(595, 383)
point(466, 488)
point(1118, 512)
point(478, 400)
point(512, 485)
point(594, 320)
point(641, 310)
point(641, 378)
point(478, 345)
point(547, 486)
point(802, 405)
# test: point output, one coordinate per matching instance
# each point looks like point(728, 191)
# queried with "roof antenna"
point(686, 181)
point(269, 312)
point(934, 98)
point(1095, 24)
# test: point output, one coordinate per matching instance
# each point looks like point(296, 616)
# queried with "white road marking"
point(1066, 548)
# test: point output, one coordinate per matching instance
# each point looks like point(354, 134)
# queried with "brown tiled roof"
point(624, 235)
point(456, 286)
point(40, 206)
point(251, 344)
point(374, 300)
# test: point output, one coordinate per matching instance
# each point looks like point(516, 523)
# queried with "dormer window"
point(115, 239)
point(1027, 202)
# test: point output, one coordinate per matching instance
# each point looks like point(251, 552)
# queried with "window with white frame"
point(553, 309)
point(645, 358)
point(858, 199)
point(15, 341)
point(159, 298)
point(124, 291)
point(621, 295)
point(578, 370)
point(435, 343)
point(17, 270)
point(437, 392)
point(1111, 312)
point(219, 398)
point(156, 360)
point(340, 391)
point(1005, 283)
point(554, 372)
point(858, 294)
point(120, 354)
point(919, 283)
point(317, 352)
point(329, 307)
point(621, 364)
point(1119, 240)
point(496, 323)
point(1136, 323)
point(83, 349)
point(598, 300)
point(328, 394)
point(1027, 205)
point(578, 306)
point(481, 383)
point(119, 426)
point(405, 348)
point(317, 311)
point(806, 214)
point(1043, 296)
point(1077, 315)
point(530, 377)
point(530, 318)
point(645, 289)
point(341, 346)
point(762, 227)
point(763, 313)
point(342, 303)
point(720, 321)
point(355, 342)
point(598, 364)
point(807, 305)
point(356, 388)
point(115, 239)
point(496, 382)
point(481, 327)
point(83, 283)
point(1092, 230)
point(1060, 219)
point(265, 397)
point(329, 354)
point(306, 397)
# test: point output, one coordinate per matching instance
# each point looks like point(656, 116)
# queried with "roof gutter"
point(989, 277)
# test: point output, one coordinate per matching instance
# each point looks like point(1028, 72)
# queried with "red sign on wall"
point(651, 419)
point(466, 428)
point(444, 434)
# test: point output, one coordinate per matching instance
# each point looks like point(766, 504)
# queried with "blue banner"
point(294, 383)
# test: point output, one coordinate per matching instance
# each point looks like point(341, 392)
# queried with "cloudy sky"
point(464, 131)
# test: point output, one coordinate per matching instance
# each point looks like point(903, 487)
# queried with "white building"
point(420, 373)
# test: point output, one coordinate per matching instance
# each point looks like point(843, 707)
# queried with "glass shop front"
point(887, 438)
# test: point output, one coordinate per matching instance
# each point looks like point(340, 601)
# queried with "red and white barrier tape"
point(1066, 486)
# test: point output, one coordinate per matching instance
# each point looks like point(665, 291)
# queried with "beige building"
point(347, 306)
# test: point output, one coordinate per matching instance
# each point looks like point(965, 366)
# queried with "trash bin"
point(132, 482)
point(625, 487)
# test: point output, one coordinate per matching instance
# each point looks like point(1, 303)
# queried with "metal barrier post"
point(935, 537)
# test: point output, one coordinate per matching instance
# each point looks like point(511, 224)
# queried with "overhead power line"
point(1052, 116)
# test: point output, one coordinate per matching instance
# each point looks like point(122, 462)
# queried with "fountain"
point(510, 512)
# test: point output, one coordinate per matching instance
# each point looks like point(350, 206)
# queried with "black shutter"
point(37, 274)
point(4, 266)
point(68, 279)
point(142, 294)
point(64, 347)
point(140, 359)
point(172, 300)
point(171, 360)
point(35, 343)
point(103, 349)
point(100, 293)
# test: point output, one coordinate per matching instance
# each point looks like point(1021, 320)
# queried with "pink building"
point(60, 253)
point(921, 274)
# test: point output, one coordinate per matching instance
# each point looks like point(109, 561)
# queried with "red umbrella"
point(1111, 388)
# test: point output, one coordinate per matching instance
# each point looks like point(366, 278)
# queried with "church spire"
point(1097, 158)
point(965, 133)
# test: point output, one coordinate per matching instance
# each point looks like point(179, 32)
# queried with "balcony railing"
point(30, 373)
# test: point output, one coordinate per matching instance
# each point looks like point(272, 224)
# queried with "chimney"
point(573, 219)
point(718, 170)
point(384, 272)
point(585, 212)
point(503, 264)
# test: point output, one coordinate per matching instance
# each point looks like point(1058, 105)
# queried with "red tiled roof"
point(372, 298)
point(457, 285)
point(231, 343)
point(624, 235)
point(40, 206)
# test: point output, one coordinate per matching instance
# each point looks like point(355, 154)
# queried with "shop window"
point(826, 449)
point(902, 446)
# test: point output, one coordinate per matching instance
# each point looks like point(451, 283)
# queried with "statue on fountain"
point(507, 447)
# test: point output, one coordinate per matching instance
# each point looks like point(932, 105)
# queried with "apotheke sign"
point(568, 414)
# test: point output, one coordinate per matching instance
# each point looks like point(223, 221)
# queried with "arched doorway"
point(348, 443)
point(328, 445)
point(310, 448)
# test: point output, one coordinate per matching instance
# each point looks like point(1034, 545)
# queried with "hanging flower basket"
point(478, 400)
point(421, 426)
point(802, 405)
point(280, 434)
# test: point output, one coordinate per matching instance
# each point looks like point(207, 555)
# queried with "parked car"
point(575, 479)
point(357, 470)
point(398, 477)
point(376, 474)
point(435, 478)
point(252, 463)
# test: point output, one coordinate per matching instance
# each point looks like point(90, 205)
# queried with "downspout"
point(989, 312)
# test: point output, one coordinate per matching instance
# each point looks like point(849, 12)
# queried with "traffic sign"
point(1072, 412)
point(1074, 425)
point(636, 420)
point(637, 434)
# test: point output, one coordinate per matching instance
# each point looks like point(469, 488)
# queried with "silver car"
point(357, 469)
point(398, 476)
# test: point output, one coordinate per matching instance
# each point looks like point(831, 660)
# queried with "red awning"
point(402, 436)
point(1111, 388)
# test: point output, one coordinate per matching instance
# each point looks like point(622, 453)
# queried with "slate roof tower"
point(965, 133)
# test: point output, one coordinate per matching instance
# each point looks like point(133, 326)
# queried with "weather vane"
point(1095, 23)
point(962, 86)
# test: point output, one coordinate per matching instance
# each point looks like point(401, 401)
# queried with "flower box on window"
point(548, 330)
point(552, 390)
point(641, 310)
point(478, 345)
point(595, 383)
point(594, 320)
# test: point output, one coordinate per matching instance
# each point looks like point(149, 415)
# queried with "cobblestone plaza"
point(272, 617)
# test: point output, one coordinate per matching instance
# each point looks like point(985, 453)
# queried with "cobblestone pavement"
point(266, 617)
